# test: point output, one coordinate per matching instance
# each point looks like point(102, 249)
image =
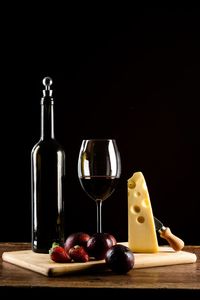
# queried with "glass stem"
point(99, 223)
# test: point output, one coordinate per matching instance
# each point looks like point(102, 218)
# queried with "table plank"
point(178, 277)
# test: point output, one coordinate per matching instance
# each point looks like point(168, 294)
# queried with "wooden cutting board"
point(41, 263)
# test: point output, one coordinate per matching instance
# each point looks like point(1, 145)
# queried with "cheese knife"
point(175, 242)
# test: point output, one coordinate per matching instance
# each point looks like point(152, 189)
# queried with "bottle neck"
point(47, 118)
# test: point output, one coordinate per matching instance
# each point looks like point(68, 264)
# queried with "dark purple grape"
point(120, 259)
point(98, 245)
point(111, 237)
point(76, 238)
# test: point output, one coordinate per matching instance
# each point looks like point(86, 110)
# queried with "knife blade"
point(175, 242)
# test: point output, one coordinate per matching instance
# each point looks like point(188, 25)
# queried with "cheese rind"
point(142, 235)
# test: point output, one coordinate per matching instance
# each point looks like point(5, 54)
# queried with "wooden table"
point(169, 280)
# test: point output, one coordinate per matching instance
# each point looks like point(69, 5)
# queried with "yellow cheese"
point(142, 235)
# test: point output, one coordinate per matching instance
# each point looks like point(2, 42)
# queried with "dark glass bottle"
point(47, 180)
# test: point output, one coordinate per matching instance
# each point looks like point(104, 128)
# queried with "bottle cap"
point(47, 82)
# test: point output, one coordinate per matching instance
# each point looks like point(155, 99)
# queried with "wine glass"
point(99, 170)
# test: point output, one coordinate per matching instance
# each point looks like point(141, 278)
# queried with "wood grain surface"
point(179, 280)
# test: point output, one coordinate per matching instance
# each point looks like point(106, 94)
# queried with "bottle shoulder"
point(48, 144)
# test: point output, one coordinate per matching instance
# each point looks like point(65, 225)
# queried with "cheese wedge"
point(142, 235)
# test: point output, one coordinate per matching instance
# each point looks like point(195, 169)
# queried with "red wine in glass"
point(99, 187)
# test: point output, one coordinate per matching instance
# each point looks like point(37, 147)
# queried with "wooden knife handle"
point(175, 242)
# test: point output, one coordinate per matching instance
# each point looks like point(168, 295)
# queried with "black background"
point(128, 74)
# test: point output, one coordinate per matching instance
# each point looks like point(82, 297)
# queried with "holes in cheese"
point(141, 229)
point(131, 185)
point(140, 219)
point(136, 209)
point(137, 194)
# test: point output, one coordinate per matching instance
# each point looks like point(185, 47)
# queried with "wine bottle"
point(47, 180)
